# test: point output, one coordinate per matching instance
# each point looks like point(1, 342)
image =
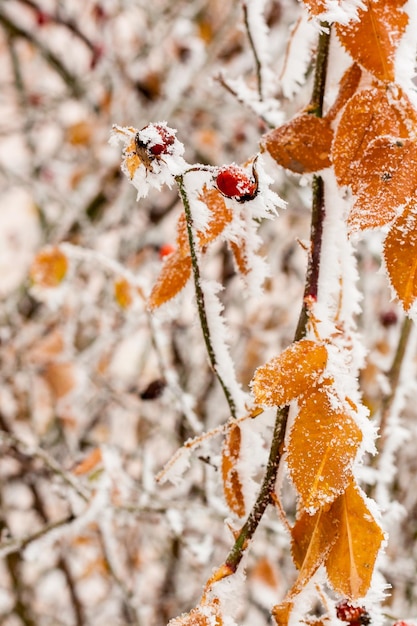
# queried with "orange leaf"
point(89, 463)
point(290, 374)
point(219, 218)
point(348, 85)
point(400, 251)
point(322, 446)
point(368, 115)
point(61, 378)
point(175, 272)
point(239, 255)
point(352, 557)
point(372, 41)
point(281, 612)
point(123, 293)
point(49, 267)
point(232, 485)
point(182, 236)
point(301, 145)
point(389, 179)
point(312, 537)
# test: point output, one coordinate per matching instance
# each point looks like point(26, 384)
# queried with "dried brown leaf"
point(290, 374)
point(301, 145)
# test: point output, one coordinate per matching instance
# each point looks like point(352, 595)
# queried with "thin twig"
point(200, 295)
point(311, 286)
point(11, 546)
point(258, 64)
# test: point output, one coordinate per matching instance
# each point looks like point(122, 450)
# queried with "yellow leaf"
point(388, 180)
point(290, 374)
point(312, 538)
point(322, 446)
point(123, 293)
point(175, 272)
point(351, 560)
point(232, 485)
point(368, 115)
point(400, 252)
point(373, 39)
point(301, 145)
point(49, 267)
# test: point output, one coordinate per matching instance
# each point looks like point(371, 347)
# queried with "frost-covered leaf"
point(174, 275)
point(351, 561)
point(202, 615)
point(388, 180)
point(400, 252)
point(301, 145)
point(281, 612)
point(368, 115)
point(220, 215)
point(312, 538)
point(290, 374)
point(49, 267)
point(240, 257)
point(373, 39)
point(322, 446)
point(347, 87)
point(182, 236)
point(232, 484)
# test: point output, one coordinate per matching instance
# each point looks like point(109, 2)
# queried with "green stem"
point(200, 294)
point(311, 288)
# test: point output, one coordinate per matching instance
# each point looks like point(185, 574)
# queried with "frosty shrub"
point(208, 352)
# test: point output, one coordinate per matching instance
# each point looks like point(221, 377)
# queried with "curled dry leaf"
point(368, 115)
point(350, 563)
point(219, 218)
point(290, 374)
point(373, 39)
point(348, 85)
point(173, 277)
point(322, 446)
point(49, 267)
point(389, 179)
point(400, 252)
point(232, 485)
point(301, 145)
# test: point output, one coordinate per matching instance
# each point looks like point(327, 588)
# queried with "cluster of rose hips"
point(353, 615)
point(232, 181)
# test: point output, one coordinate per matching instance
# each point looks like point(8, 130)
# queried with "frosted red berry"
point(401, 623)
point(153, 141)
point(353, 615)
point(233, 182)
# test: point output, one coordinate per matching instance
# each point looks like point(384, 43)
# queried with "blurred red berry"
point(233, 182)
point(401, 623)
point(165, 250)
point(388, 318)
